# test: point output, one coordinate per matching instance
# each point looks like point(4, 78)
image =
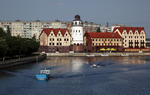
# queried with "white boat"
point(92, 55)
point(124, 54)
point(105, 54)
point(95, 66)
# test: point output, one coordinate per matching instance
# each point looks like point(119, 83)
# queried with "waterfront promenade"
point(20, 61)
point(98, 54)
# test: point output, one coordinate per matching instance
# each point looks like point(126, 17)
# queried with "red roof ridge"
point(103, 35)
point(55, 30)
point(128, 29)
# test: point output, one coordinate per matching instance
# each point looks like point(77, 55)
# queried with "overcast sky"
point(131, 12)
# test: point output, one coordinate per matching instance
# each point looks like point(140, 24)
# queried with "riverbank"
point(20, 61)
point(96, 54)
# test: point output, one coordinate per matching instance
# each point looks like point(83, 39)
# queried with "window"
point(64, 39)
point(53, 43)
point(93, 44)
point(57, 44)
point(75, 23)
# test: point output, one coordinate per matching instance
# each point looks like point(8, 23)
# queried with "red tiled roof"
point(103, 35)
point(49, 30)
point(133, 29)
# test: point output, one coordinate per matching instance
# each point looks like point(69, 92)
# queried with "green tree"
point(98, 29)
point(3, 47)
point(8, 31)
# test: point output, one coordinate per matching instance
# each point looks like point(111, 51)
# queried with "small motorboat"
point(95, 66)
point(43, 75)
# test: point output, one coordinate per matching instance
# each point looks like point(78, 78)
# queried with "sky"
point(130, 12)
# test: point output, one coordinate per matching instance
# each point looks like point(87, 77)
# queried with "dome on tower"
point(77, 17)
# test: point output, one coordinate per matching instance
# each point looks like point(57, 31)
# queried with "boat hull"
point(41, 77)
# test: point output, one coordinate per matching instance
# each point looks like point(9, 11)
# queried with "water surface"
point(75, 76)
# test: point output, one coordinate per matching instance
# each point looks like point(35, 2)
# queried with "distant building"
point(28, 29)
point(95, 41)
point(55, 40)
point(134, 37)
point(17, 29)
point(90, 26)
point(5, 25)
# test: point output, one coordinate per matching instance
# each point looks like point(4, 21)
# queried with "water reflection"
point(131, 60)
point(77, 64)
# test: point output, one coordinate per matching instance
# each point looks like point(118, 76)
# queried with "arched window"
point(75, 23)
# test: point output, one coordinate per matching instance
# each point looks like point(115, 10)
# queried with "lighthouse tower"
point(77, 34)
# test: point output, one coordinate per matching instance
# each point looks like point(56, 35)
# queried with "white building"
point(77, 31)
point(17, 29)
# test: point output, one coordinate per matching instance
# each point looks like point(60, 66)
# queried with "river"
point(76, 76)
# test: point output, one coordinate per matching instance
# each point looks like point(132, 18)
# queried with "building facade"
point(102, 41)
point(134, 37)
point(77, 34)
point(17, 29)
point(55, 40)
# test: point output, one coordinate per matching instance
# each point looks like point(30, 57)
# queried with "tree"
point(16, 46)
point(8, 31)
point(98, 29)
point(3, 48)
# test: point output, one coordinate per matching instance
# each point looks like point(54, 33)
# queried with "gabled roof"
point(103, 35)
point(133, 29)
point(49, 30)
